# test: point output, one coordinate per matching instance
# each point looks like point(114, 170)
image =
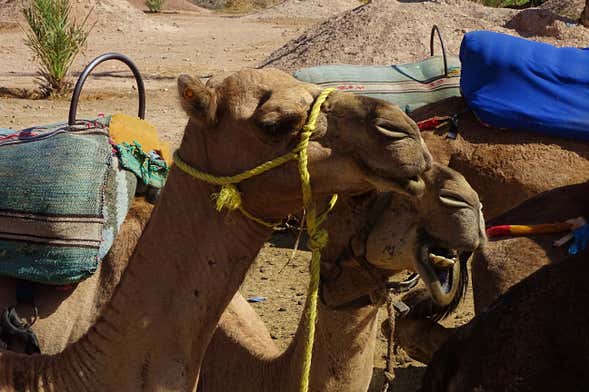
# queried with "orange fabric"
point(540, 229)
point(124, 128)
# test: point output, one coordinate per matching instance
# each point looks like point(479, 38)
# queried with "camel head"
point(434, 235)
point(254, 116)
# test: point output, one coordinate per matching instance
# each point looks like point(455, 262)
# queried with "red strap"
point(432, 122)
point(67, 287)
point(498, 231)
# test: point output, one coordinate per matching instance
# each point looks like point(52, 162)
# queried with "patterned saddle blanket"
point(64, 193)
point(408, 86)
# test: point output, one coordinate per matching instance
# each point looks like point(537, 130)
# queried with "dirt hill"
point(109, 15)
point(388, 32)
point(170, 5)
point(308, 8)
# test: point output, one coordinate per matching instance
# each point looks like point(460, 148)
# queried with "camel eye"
point(452, 199)
point(279, 125)
point(276, 128)
point(389, 129)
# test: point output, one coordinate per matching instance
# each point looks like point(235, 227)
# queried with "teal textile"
point(63, 198)
point(150, 168)
point(408, 86)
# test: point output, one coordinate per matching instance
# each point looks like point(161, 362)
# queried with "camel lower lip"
point(413, 186)
point(440, 272)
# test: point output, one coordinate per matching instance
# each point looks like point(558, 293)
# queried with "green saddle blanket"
point(63, 197)
point(408, 86)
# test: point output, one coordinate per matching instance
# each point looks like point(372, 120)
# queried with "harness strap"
point(14, 332)
point(357, 249)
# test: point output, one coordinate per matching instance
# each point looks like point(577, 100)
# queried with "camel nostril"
point(453, 199)
point(390, 130)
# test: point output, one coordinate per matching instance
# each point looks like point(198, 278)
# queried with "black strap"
point(357, 251)
point(14, 332)
point(25, 292)
point(90, 67)
point(435, 30)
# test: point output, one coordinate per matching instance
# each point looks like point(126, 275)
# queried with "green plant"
point(154, 5)
point(55, 39)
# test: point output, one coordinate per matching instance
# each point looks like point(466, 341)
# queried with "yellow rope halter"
point(230, 198)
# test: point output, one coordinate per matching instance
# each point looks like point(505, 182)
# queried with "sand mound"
point(567, 8)
point(389, 32)
point(9, 10)
point(320, 9)
point(107, 14)
point(171, 5)
point(539, 22)
point(236, 5)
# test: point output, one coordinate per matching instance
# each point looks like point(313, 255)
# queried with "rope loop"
point(318, 240)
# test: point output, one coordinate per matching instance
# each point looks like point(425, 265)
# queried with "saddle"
point(519, 84)
point(65, 190)
point(408, 86)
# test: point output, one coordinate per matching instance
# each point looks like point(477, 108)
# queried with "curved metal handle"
point(431, 47)
point(90, 67)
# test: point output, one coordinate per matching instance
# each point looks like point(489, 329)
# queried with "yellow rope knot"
point(228, 197)
point(318, 240)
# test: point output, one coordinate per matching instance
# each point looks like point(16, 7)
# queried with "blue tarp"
point(519, 84)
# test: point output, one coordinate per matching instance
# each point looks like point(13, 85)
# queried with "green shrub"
point(154, 5)
point(55, 39)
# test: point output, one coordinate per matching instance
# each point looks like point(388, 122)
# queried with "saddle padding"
point(519, 84)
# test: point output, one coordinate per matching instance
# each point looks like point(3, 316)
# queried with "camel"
point(153, 332)
point(499, 264)
point(533, 338)
point(511, 277)
point(447, 219)
point(504, 167)
point(505, 261)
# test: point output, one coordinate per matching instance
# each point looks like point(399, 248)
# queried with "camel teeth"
point(441, 261)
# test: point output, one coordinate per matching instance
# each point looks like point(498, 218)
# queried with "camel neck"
point(188, 264)
point(343, 351)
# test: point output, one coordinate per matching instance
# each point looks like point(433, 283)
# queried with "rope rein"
point(229, 197)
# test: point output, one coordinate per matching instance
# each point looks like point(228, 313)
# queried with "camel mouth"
point(443, 271)
point(413, 186)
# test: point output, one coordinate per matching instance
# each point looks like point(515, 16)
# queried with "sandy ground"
point(201, 42)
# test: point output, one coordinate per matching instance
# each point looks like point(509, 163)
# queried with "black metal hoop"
point(84, 75)
point(431, 47)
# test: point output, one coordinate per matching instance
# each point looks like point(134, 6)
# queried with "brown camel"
point(182, 274)
point(533, 338)
point(505, 261)
point(504, 167)
point(501, 263)
point(535, 295)
point(402, 236)
point(585, 15)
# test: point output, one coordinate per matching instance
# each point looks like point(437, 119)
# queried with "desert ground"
point(189, 39)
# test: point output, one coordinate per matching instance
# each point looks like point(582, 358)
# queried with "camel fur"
point(503, 262)
point(504, 167)
point(152, 334)
point(532, 338)
point(242, 356)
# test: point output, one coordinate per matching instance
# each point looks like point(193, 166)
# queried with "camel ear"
point(198, 101)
